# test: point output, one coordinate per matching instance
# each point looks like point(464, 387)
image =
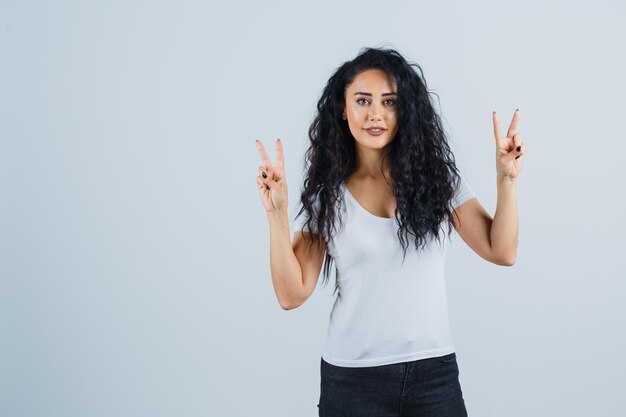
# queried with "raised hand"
point(509, 149)
point(272, 185)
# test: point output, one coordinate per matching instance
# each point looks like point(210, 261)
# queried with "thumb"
point(280, 184)
point(505, 159)
point(272, 183)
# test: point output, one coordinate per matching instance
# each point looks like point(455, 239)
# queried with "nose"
point(375, 112)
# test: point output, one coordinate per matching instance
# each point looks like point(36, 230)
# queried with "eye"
point(358, 100)
point(393, 102)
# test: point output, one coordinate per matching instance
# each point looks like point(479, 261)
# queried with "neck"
point(369, 164)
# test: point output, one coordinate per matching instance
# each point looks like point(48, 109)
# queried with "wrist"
point(277, 214)
point(506, 180)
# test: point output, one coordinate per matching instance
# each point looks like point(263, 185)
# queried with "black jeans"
point(425, 388)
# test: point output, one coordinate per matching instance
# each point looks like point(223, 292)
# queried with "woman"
point(379, 169)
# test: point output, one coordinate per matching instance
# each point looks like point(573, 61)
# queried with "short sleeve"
point(299, 222)
point(463, 193)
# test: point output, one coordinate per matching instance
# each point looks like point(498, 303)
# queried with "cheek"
point(355, 112)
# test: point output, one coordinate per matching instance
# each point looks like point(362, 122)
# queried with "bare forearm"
point(285, 269)
point(504, 228)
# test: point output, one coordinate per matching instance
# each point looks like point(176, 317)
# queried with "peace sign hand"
point(509, 149)
point(271, 180)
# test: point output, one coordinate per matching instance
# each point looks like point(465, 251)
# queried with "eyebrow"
point(370, 94)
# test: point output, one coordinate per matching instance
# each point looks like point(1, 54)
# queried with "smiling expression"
point(371, 101)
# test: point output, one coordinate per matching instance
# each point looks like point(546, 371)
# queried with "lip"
point(378, 132)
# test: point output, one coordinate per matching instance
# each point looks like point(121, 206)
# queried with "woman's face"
point(371, 100)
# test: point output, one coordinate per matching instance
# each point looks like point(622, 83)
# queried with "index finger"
point(264, 157)
point(280, 163)
point(513, 126)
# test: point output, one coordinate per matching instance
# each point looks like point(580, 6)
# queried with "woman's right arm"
point(295, 268)
point(286, 272)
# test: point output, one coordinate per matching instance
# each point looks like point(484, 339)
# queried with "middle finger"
point(264, 157)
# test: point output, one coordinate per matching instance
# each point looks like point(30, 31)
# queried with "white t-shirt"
point(385, 312)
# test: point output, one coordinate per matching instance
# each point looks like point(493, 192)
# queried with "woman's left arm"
point(495, 239)
point(504, 228)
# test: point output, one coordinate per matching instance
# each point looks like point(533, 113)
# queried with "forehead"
point(372, 81)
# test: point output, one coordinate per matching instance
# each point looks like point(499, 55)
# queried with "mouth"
point(375, 131)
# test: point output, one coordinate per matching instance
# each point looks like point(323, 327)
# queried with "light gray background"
point(134, 254)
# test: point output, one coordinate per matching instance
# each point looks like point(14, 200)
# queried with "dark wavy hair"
point(423, 172)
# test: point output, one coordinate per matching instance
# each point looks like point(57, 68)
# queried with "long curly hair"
point(423, 172)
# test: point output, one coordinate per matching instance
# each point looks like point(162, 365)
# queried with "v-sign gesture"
point(509, 149)
point(271, 180)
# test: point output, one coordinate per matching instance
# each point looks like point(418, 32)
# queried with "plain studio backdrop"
point(134, 250)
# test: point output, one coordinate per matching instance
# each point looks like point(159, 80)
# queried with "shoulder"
point(462, 193)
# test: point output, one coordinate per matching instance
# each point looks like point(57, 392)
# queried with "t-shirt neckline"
point(362, 209)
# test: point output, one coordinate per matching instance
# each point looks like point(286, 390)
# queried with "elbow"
point(289, 306)
point(509, 263)
point(506, 259)
point(285, 305)
point(293, 300)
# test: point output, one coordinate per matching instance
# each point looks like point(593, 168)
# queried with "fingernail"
point(278, 140)
point(494, 112)
point(516, 109)
point(267, 186)
point(265, 175)
point(519, 148)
